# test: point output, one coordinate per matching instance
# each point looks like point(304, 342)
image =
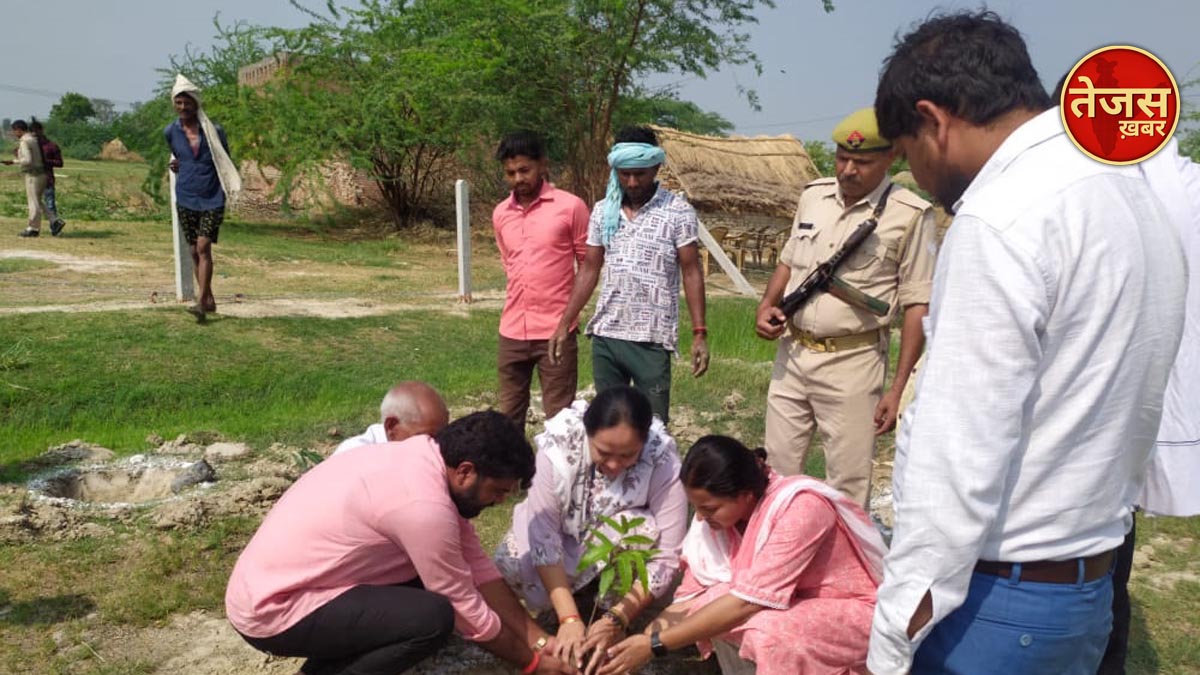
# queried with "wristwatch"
point(657, 647)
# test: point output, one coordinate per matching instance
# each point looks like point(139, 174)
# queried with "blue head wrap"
point(625, 156)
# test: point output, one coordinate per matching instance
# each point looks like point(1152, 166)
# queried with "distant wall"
point(333, 183)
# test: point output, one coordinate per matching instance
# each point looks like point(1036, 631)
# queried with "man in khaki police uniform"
point(830, 365)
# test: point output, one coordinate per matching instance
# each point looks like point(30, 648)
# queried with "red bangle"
point(699, 329)
point(533, 664)
point(570, 618)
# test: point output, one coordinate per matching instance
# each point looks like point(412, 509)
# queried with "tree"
point(399, 90)
point(579, 59)
point(668, 111)
point(1189, 144)
point(106, 112)
point(403, 89)
point(72, 107)
point(821, 154)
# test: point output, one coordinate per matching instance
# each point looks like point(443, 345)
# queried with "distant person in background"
point(206, 177)
point(29, 159)
point(541, 232)
point(52, 156)
point(409, 409)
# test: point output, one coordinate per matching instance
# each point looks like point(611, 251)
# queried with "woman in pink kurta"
point(781, 569)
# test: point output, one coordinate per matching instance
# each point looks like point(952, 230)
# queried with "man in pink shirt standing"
point(541, 232)
point(368, 562)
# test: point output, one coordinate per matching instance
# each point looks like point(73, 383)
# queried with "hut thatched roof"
point(750, 175)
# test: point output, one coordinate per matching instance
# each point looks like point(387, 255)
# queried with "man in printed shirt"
point(541, 233)
point(644, 237)
point(368, 562)
point(1056, 311)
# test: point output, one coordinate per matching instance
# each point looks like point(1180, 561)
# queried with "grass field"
point(113, 374)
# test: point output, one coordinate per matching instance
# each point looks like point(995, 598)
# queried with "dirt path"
point(71, 278)
point(71, 263)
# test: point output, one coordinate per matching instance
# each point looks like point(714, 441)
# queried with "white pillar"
point(731, 270)
point(184, 278)
point(463, 207)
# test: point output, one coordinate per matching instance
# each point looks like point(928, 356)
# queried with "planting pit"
point(137, 481)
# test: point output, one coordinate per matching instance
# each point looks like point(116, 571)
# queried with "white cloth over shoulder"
point(231, 182)
point(374, 435)
point(708, 552)
point(1173, 476)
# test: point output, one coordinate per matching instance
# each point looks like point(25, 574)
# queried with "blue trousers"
point(1013, 626)
point(50, 203)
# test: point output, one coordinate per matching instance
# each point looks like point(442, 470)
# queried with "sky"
point(817, 67)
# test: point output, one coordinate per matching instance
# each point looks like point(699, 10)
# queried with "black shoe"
point(56, 227)
point(29, 232)
point(197, 311)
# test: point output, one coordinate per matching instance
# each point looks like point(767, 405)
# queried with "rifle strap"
point(878, 211)
point(882, 201)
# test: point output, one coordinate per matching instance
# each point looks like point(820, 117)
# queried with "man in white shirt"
point(1174, 468)
point(1174, 472)
point(409, 409)
point(1056, 311)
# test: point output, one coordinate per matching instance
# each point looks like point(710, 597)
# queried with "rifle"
point(824, 278)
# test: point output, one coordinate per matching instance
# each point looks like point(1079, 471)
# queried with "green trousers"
point(647, 365)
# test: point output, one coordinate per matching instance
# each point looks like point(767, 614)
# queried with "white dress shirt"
point(1173, 478)
point(1055, 316)
point(374, 435)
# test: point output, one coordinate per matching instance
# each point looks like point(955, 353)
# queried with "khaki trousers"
point(35, 185)
point(835, 393)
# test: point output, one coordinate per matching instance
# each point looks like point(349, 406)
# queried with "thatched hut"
point(744, 189)
point(737, 181)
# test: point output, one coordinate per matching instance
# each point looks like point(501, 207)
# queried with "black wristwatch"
point(657, 647)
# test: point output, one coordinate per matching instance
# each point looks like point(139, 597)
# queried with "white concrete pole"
point(735, 275)
point(184, 278)
point(463, 207)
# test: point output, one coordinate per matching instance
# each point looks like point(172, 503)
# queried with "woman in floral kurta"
point(782, 569)
point(612, 459)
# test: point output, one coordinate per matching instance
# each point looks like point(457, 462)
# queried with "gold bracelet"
point(569, 619)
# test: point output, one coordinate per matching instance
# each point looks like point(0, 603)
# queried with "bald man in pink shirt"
point(369, 562)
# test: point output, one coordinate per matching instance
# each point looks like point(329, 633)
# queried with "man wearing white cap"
point(206, 178)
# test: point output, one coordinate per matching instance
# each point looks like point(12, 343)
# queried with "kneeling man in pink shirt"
point(368, 563)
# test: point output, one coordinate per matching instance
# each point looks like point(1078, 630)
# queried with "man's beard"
point(951, 187)
point(468, 503)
